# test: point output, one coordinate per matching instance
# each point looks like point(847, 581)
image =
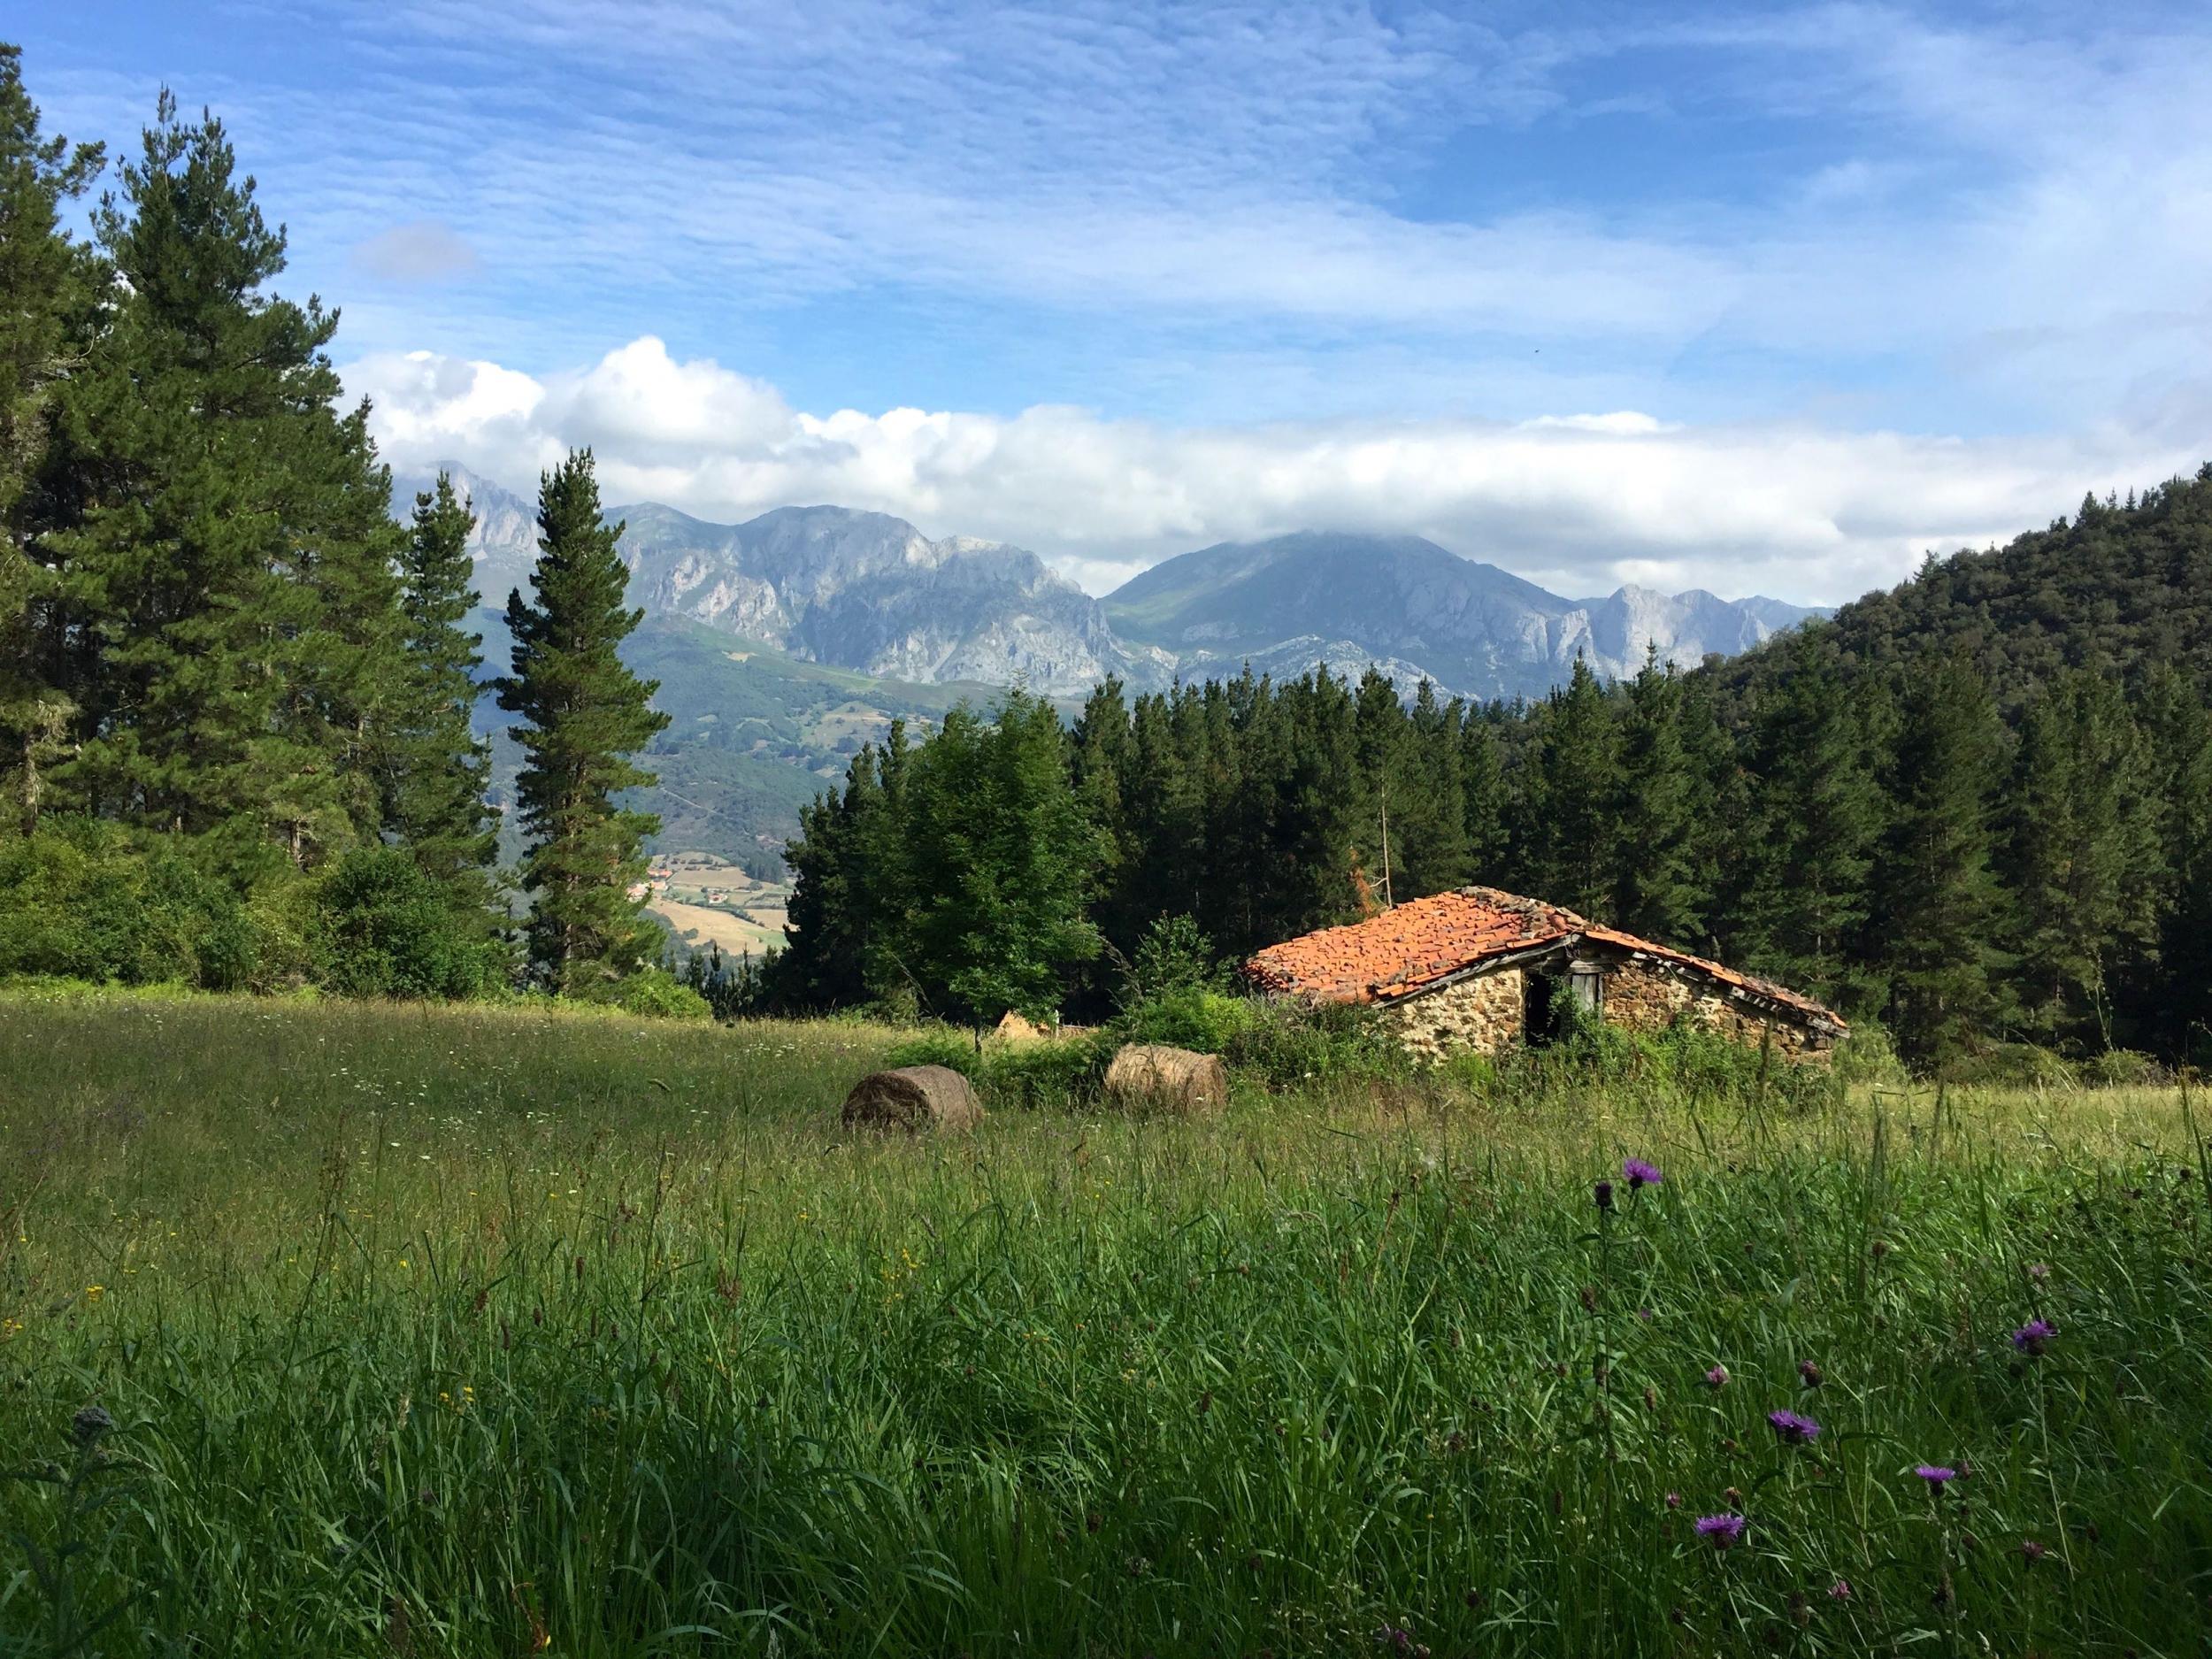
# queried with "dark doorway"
point(1542, 1019)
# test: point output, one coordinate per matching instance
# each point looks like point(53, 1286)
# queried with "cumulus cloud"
point(1580, 503)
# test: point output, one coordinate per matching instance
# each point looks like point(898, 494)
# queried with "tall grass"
point(468, 1333)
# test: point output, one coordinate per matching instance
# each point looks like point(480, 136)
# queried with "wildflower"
point(2039, 1269)
point(1809, 1374)
point(1793, 1427)
point(1400, 1640)
point(1937, 1477)
point(2031, 1337)
point(2032, 1551)
point(1839, 1591)
point(1723, 1530)
point(1640, 1175)
point(89, 1425)
point(93, 1293)
point(1674, 1499)
point(1717, 1378)
point(1603, 1195)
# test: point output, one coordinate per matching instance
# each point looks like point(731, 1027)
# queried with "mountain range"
point(868, 591)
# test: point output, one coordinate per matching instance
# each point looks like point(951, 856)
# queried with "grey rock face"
point(868, 592)
point(1413, 610)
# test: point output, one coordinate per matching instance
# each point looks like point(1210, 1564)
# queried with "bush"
point(1188, 1017)
point(1285, 1043)
point(389, 930)
point(657, 994)
point(938, 1046)
point(1065, 1071)
point(79, 900)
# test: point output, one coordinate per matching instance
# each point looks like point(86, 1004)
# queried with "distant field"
point(491, 1332)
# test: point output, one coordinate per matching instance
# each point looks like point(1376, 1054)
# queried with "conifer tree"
point(1003, 860)
point(437, 769)
point(583, 716)
point(1580, 792)
point(230, 573)
point(2082, 872)
point(1814, 833)
point(46, 284)
point(1937, 908)
point(1656, 890)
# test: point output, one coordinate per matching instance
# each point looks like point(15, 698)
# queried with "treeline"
point(234, 695)
point(1855, 810)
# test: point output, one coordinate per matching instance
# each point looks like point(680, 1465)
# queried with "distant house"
point(1477, 969)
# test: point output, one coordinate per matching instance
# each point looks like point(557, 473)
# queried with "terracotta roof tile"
point(1408, 948)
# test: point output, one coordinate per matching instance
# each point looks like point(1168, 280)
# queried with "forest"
point(1975, 808)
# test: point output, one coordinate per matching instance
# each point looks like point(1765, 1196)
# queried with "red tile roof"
point(1407, 949)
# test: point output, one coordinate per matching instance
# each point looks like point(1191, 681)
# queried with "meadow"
point(362, 1329)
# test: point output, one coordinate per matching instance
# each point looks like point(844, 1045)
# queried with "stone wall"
point(1486, 1013)
point(1483, 1014)
point(1648, 999)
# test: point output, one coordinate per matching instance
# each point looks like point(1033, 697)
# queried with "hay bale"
point(1151, 1075)
point(1015, 1028)
point(913, 1098)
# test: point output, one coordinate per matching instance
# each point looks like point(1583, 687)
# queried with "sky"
point(1759, 299)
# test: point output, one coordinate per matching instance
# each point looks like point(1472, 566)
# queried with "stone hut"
point(1483, 970)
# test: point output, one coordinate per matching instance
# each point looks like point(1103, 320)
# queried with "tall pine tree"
point(46, 285)
point(1937, 911)
point(227, 585)
point(436, 767)
point(583, 716)
point(1657, 890)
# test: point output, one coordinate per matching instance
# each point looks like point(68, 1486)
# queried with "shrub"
point(79, 900)
point(657, 994)
point(389, 930)
point(1285, 1043)
point(1188, 1017)
point(1065, 1072)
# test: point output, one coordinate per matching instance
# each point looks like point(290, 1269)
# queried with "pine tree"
point(436, 767)
point(1656, 889)
point(1938, 905)
point(1581, 791)
point(229, 580)
point(1817, 815)
point(2083, 866)
point(43, 282)
point(1003, 861)
point(46, 282)
point(583, 715)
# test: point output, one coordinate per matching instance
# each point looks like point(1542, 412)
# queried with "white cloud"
point(1579, 503)
point(425, 251)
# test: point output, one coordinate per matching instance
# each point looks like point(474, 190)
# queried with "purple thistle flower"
point(2031, 1337)
point(1717, 1378)
point(1937, 1476)
point(1602, 1193)
point(1640, 1175)
point(1724, 1530)
point(1674, 1499)
point(1809, 1374)
point(2039, 1269)
point(1794, 1427)
point(1839, 1591)
point(2033, 1550)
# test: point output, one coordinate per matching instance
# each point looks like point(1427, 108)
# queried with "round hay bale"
point(1015, 1028)
point(1151, 1075)
point(913, 1098)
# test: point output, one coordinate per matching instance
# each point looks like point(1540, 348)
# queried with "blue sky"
point(1747, 297)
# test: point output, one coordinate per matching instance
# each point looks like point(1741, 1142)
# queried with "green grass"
point(481, 1333)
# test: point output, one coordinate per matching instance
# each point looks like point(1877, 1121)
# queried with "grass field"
point(484, 1333)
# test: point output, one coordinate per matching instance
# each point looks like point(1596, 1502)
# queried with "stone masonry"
point(1483, 1014)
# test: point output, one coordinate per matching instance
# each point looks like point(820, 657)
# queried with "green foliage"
point(389, 930)
point(583, 713)
point(86, 900)
point(1191, 1016)
point(657, 994)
